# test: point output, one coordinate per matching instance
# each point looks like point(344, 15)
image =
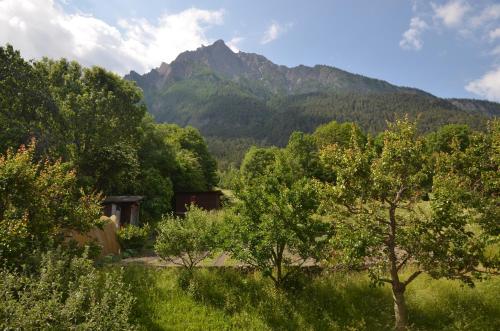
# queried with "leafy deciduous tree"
point(26, 108)
point(38, 202)
point(187, 241)
point(276, 229)
point(383, 222)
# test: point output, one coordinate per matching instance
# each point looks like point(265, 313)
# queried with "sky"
point(450, 48)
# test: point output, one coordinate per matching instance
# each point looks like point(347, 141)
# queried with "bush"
point(64, 293)
point(133, 237)
point(39, 202)
point(188, 241)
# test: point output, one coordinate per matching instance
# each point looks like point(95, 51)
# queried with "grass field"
point(225, 299)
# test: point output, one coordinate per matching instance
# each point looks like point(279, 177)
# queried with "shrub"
point(133, 237)
point(188, 241)
point(64, 293)
point(39, 201)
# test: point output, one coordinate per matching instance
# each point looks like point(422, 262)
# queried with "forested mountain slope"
point(229, 95)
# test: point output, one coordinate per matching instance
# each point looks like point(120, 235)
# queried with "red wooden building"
point(208, 200)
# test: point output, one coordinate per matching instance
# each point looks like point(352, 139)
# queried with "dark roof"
point(123, 198)
point(200, 192)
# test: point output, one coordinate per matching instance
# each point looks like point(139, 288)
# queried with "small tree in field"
point(187, 241)
point(275, 228)
point(383, 222)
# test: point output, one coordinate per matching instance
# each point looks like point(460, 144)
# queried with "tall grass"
point(225, 299)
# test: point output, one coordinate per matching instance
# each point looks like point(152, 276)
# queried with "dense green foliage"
point(375, 195)
point(94, 121)
point(133, 236)
point(189, 240)
point(234, 98)
point(64, 292)
point(227, 299)
point(100, 115)
point(26, 109)
point(39, 202)
point(272, 121)
point(275, 228)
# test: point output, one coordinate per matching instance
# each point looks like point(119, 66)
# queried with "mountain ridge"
point(246, 97)
point(290, 80)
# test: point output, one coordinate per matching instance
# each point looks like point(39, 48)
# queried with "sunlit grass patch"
point(230, 299)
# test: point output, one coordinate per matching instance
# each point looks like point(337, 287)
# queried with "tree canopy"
point(96, 122)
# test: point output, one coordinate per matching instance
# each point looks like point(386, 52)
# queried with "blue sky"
point(450, 48)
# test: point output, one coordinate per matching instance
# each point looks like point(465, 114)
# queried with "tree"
point(472, 176)
point(102, 115)
point(26, 108)
point(257, 161)
point(38, 202)
point(187, 241)
point(275, 228)
point(193, 150)
point(380, 216)
point(303, 152)
point(337, 133)
point(442, 139)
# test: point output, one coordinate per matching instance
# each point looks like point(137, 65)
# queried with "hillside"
point(229, 95)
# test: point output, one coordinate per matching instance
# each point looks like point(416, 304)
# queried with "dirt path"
point(221, 260)
point(156, 261)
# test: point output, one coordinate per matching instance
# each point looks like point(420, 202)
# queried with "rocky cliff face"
point(242, 95)
point(219, 59)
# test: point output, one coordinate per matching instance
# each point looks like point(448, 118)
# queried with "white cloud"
point(488, 86)
point(495, 51)
point(414, 5)
point(42, 28)
point(487, 15)
point(451, 13)
point(494, 34)
point(274, 31)
point(412, 38)
point(234, 42)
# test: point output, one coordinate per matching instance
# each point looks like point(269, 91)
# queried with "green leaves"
point(38, 202)
point(64, 293)
point(377, 203)
point(187, 241)
point(381, 221)
point(276, 225)
point(26, 108)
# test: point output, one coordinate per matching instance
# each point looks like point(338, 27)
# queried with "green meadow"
point(231, 299)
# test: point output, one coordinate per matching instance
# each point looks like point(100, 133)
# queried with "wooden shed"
point(208, 200)
point(124, 207)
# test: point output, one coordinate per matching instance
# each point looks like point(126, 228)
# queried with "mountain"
point(244, 97)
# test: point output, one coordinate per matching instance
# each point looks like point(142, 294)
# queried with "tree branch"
point(398, 195)
point(169, 259)
point(403, 262)
point(412, 277)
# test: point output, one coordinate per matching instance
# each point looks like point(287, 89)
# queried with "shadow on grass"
point(315, 303)
point(143, 282)
point(451, 305)
point(229, 299)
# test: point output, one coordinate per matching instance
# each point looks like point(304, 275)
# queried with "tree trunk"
point(398, 295)
point(279, 265)
point(398, 288)
point(279, 273)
